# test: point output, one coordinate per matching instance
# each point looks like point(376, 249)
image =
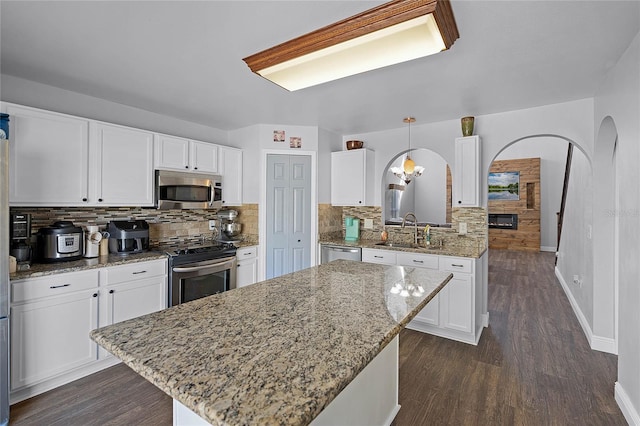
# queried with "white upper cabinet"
point(49, 158)
point(352, 173)
point(203, 157)
point(173, 153)
point(231, 171)
point(466, 178)
point(123, 167)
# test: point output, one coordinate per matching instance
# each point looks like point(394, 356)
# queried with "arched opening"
point(606, 215)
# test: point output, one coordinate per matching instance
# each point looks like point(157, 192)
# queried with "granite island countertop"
point(42, 269)
point(276, 352)
point(473, 252)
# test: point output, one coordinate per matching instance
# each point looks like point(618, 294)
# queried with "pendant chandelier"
point(409, 170)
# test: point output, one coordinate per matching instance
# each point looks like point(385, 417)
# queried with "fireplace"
point(503, 221)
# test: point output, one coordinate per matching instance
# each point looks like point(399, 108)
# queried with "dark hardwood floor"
point(533, 366)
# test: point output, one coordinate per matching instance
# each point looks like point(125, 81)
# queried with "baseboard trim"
point(548, 248)
point(485, 320)
point(598, 343)
point(624, 402)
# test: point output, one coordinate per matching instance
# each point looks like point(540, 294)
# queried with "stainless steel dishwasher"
point(333, 252)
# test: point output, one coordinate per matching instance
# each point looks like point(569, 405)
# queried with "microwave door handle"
point(212, 195)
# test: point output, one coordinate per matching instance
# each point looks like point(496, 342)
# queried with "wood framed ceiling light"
point(394, 32)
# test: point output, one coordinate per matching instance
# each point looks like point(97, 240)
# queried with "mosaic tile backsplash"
point(165, 226)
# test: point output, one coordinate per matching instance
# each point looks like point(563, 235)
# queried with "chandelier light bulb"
point(409, 165)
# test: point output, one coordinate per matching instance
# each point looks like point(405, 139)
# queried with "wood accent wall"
point(527, 236)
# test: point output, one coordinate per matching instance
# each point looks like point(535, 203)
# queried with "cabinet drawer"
point(135, 271)
point(247, 253)
point(418, 260)
point(379, 256)
point(53, 285)
point(456, 264)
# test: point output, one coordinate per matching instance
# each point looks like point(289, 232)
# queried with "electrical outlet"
point(212, 224)
point(368, 224)
point(462, 228)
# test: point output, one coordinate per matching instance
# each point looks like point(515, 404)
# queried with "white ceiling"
point(184, 59)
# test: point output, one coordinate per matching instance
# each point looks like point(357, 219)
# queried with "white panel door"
point(172, 153)
point(457, 300)
point(288, 207)
point(49, 158)
point(466, 183)
point(230, 167)
point(124, 175)
point(136, 298)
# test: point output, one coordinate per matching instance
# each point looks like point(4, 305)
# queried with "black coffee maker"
point(20, 237)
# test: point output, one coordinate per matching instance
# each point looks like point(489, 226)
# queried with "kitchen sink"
point(398, 245)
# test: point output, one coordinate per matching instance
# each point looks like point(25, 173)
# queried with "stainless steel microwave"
point(180, 190)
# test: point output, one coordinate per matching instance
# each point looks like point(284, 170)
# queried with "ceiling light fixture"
point(409, 170)
point(394, 32)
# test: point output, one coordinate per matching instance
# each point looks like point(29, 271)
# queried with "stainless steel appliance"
point(179, 190)
point(200, 271)
point(128, 236)
point(4, 282)
point(60, 241)
point(20, 236)
point(229, 229)
point(330, 253)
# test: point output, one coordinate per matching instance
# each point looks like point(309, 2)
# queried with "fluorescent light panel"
point(403, 42)
point(402, 30)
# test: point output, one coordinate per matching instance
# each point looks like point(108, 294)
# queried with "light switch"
point(368, 223)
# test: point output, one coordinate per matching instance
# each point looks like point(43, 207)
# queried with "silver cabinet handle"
point(60, 286)
point(457, 266)
point(418, 261)
point(378, 257)
point(139, 272)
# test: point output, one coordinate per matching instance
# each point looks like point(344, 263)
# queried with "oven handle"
point(204, 265)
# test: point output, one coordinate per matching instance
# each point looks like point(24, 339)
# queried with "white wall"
point(619, 98)
point(573, 120)
point(29, 93)
point(255, 139)
point(553, 154)
point(328, 142)
point(575, 255)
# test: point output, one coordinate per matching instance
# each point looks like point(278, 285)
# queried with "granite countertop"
point(42, 269)
point(445, 251)
point(276, 352)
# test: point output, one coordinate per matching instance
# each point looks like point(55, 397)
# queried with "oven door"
point(196, 280)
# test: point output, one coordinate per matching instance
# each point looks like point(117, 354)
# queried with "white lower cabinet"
point(247, 272)
point(459, 310)
point(52, 316)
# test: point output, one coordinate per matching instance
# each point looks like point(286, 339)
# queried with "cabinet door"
point(456, 299)
point(231, 171)
point(466, 185)
point(49, 158)
point(51, 336)
point(172, 153)
point(349, 178)
point(204, 157)
point(430, 314)
point(124, 172)
point(135, 298)
point(247, 272)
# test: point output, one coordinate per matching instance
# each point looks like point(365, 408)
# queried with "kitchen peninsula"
point(280, 351)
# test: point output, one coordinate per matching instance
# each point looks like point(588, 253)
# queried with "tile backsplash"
point(165, 226)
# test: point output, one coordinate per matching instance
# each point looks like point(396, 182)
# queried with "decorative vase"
point(467, 126)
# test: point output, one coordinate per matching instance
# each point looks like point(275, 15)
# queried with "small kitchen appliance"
point(20, 237)
point(229, 229)
point(93, 237)
point(128, 236)
point(351, 229)
point(60, 241)
point(181, 190)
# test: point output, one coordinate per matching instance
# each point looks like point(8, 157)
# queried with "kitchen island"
point(280, 351)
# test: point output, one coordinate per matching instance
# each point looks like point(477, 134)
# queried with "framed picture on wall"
point(504, 186)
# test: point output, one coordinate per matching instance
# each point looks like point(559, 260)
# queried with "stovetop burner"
point(215, 249)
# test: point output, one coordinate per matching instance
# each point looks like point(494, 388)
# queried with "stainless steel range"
point(198, 271)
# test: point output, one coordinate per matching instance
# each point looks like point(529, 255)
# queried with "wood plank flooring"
point(533, 366)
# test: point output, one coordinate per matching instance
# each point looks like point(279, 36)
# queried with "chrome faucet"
point(415, 226)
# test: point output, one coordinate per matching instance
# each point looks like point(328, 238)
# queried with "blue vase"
point(4, 126)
